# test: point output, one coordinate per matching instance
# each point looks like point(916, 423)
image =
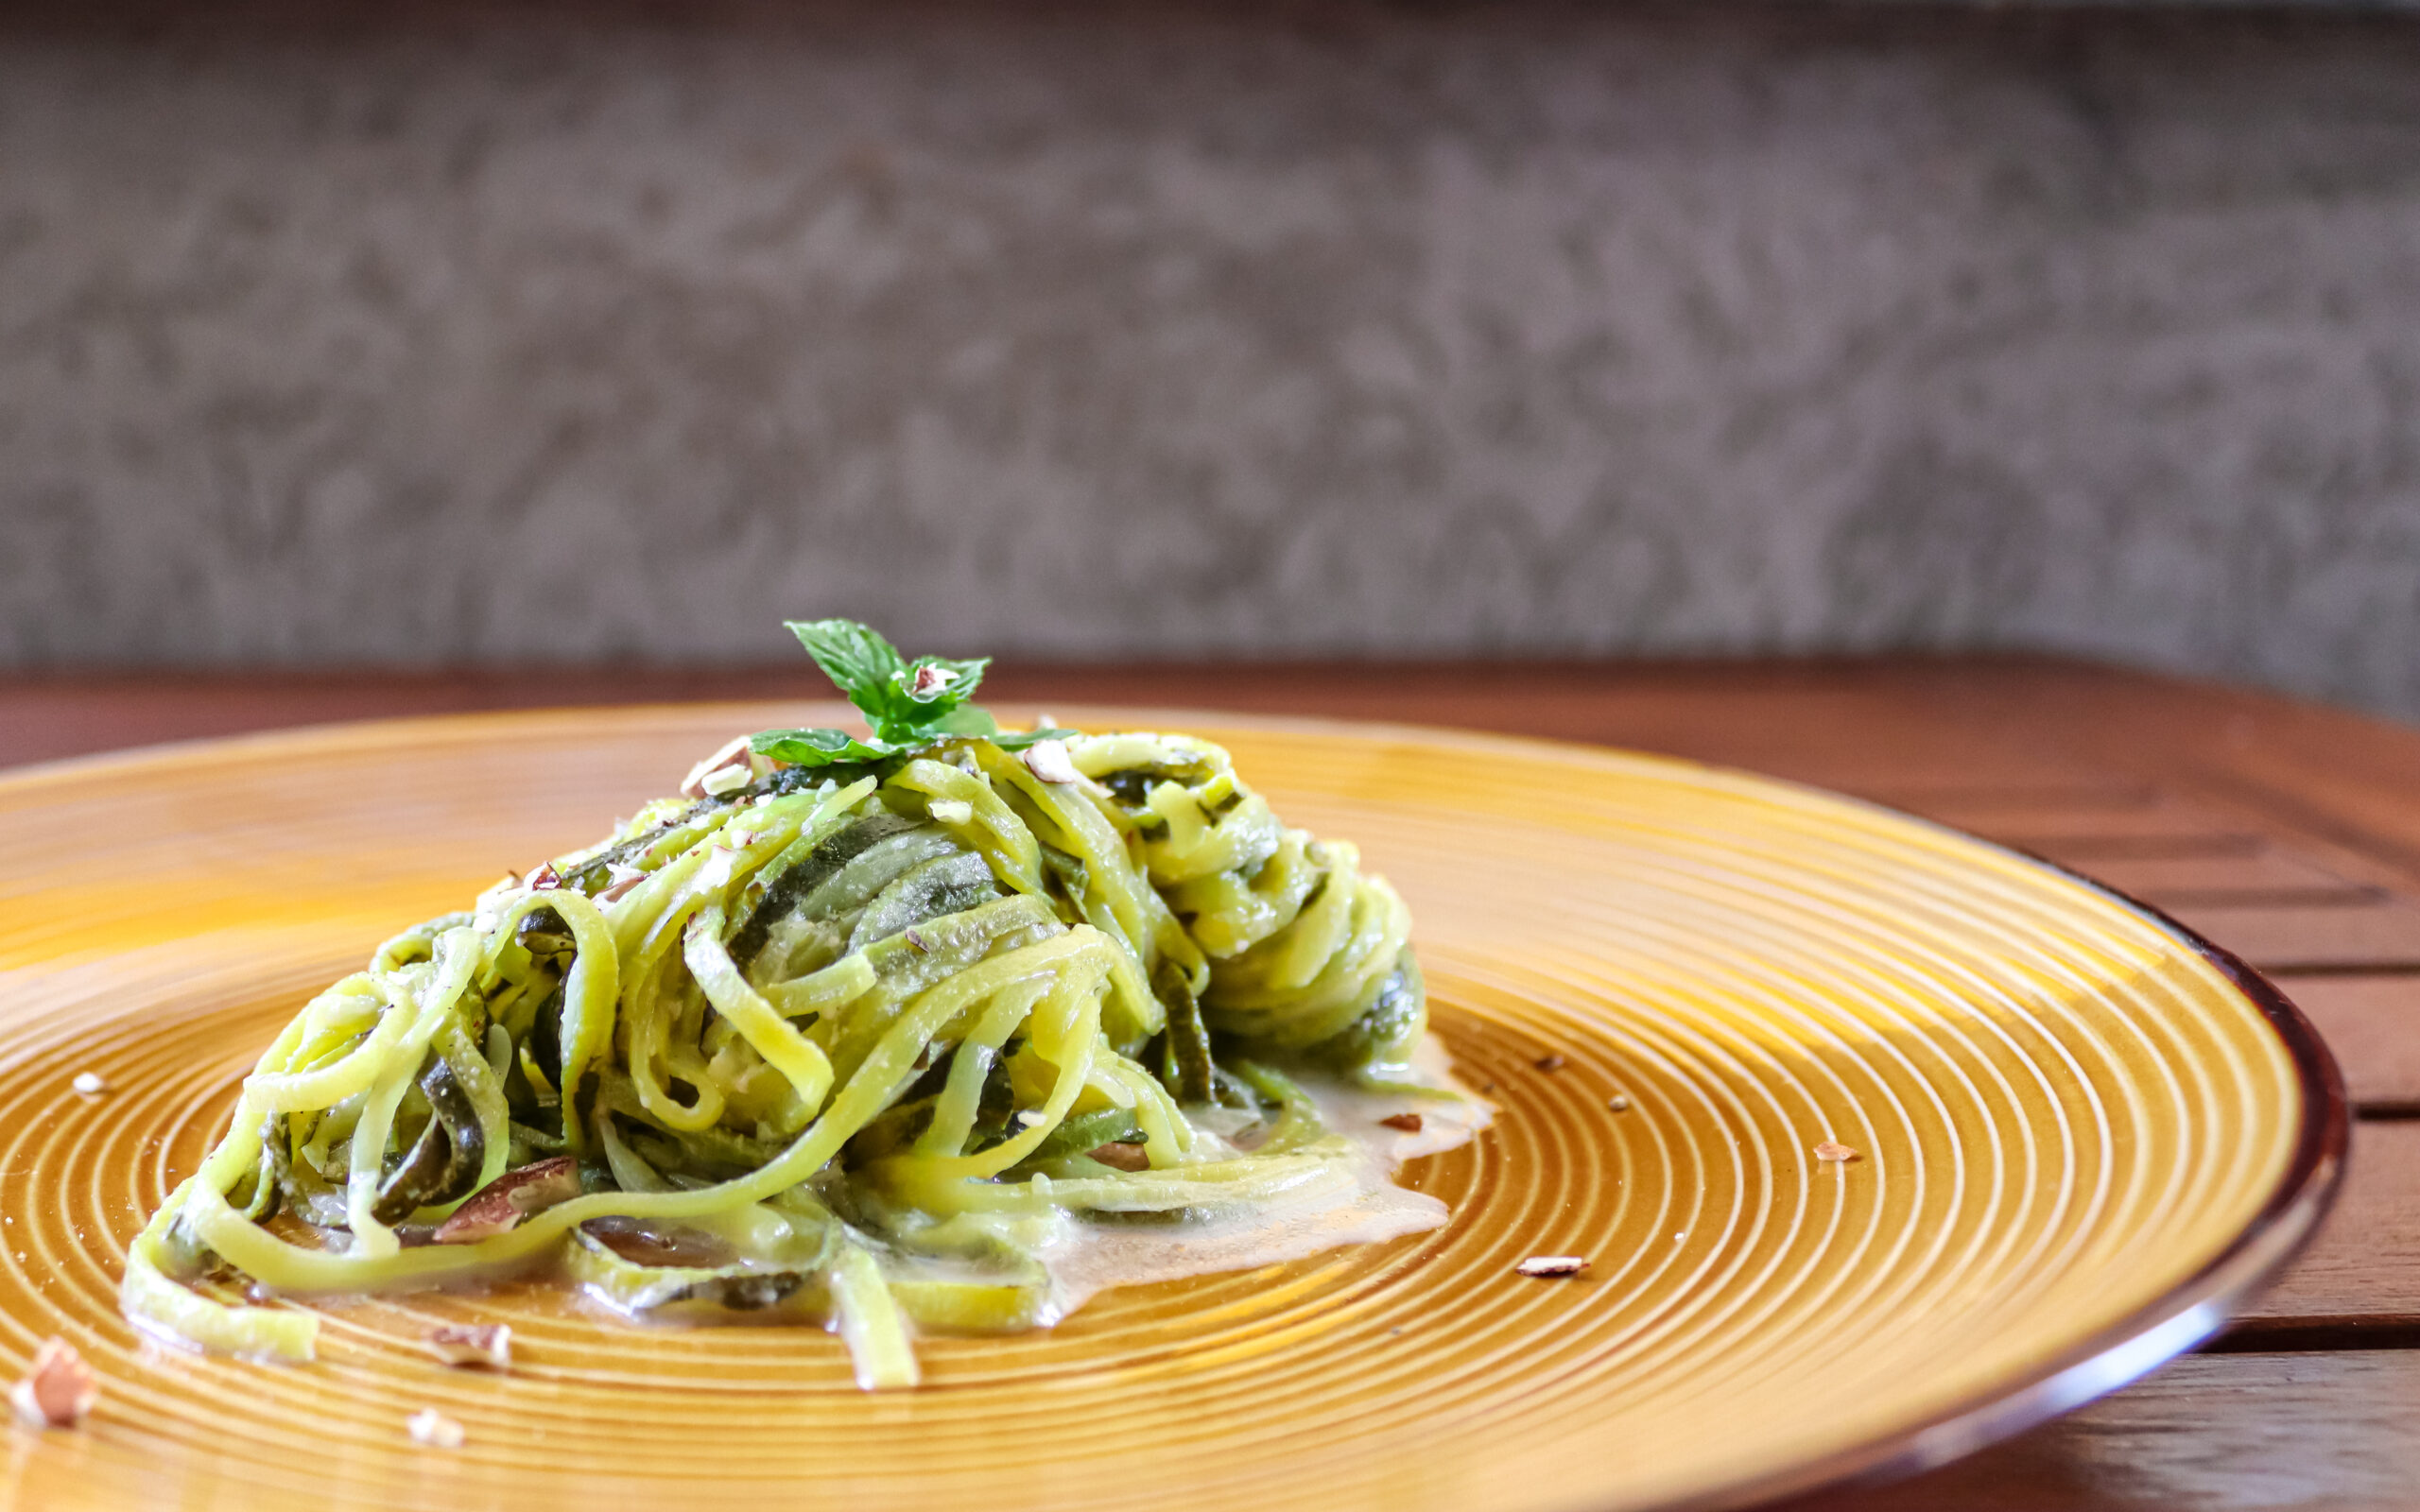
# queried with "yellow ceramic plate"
point(2081, 1133)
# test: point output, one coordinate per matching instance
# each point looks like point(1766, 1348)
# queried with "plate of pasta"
point(927, 1105)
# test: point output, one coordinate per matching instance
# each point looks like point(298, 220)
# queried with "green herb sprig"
point(906, 703)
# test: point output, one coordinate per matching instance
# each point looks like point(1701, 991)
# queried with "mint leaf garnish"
point(906, 703)
point(1019, 740)
point(859, 661)
point(815, 747)
point(932, 686)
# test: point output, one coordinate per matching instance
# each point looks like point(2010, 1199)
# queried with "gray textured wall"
point(511, 333)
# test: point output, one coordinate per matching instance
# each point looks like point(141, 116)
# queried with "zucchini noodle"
point(851, 1042)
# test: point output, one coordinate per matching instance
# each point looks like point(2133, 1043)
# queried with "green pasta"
point(843, 1031)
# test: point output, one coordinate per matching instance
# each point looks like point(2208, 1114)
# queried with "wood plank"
point(2296, 1432)
point(2361, 1274)
point(2382, 932)
point(2320, 771)
point(2373, 1024)
point(2082, 835)
point(2267, 876)
point(2041, 786)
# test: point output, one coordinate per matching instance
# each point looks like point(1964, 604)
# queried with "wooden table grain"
point(2287, 831)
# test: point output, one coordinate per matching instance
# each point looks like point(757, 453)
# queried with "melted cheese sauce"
point(1363, 1207)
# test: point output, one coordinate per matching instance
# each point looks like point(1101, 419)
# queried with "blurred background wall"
point(505, 333)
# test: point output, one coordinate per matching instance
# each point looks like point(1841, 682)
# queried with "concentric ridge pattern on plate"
point(2059, 1113)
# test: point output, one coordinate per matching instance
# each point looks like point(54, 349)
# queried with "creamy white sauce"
point(1363, 1207)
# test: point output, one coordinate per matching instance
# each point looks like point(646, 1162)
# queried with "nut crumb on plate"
point(473, 1344)
point(1408, 1123)
point(57, 1391)
point(1552, 1265)
point(1618, 1103)
point(88, 1084)
point(1834, 1151)
point(433, 1428)
point(1549, 1062)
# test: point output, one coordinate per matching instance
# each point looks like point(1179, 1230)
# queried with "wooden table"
point(2286, 831)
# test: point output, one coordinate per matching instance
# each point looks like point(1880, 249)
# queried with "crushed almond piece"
point(930, 681)
point(1834, 1151)
point(1553, 1266)
point(1123, 1157)
point(88, 1084)
point(59, 1391)
point(473, 1344)
point(1548, 1062)
point(619, 879)
point(1618, 1103)
point(545, 878)
point(1049, 760)
point(1408, 1123)
point(510, 1199)
point(433, 1428)
point(733, 755)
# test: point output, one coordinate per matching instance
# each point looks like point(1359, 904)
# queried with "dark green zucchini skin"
point(444, 1163)
point(788, 890)
point(945, 884)
point(1387, 1030)
point(1185, 1063)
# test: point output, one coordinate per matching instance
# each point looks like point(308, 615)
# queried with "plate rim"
point(2188, 1314)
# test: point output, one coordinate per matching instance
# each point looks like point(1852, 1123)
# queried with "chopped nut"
point(731, 767)
point(545, 878)
point(930, 681)
point(59, 1389)
point(1618, 1103)
point(475, 1344)
point(433, 1428)
point(1831, 1150)
point(1548, 1062)
point(1408, 1123)
point(510, 1199)
point(1049, 760)
point(1124, 1157)
point(619, 879)
point(1025, 1118)
point(1552, 1265)
point(88, 1084)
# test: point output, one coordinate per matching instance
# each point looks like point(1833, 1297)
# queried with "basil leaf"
point(815, 747)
